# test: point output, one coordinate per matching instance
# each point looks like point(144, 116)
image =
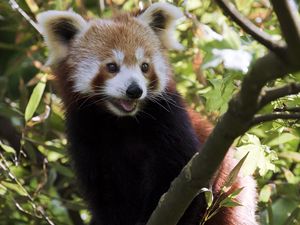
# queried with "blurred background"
point(37, 184)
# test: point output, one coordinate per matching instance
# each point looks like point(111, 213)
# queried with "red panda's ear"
point(59, 29)
point(161, 17)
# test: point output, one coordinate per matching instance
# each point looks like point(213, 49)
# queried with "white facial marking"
point(119, 56)
point(139, 54)
point(85, 73)
point(161, 70)
point(117, 86)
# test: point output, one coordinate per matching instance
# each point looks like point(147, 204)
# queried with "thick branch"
point(241, 111)
point(274, 116)
point(250, 28)
point(289, 20)
point(275, 93)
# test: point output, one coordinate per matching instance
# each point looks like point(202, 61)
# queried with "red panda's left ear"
point(161, 17)
point(59, 29)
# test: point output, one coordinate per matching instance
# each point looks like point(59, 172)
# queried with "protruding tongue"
point(127, 105)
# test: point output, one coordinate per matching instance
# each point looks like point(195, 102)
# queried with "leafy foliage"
point(37, 184)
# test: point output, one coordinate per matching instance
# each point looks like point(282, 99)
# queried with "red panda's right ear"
point(162, 17)
point(59, 29)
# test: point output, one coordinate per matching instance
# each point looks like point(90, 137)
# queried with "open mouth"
point(125, 105)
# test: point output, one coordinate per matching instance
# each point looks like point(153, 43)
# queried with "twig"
point(286, 109)
point(14, 5)
point(101, 6)
point(262, 37)
point(274, 116)
point(289, 20)
point(272, 94)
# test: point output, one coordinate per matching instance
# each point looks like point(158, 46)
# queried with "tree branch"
point(289, 20)
point(260, 36)
point(286, 109)
point(242, 108)
point(274, 116)
point(275, 93)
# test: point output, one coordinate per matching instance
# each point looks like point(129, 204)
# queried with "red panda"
point(129, 131)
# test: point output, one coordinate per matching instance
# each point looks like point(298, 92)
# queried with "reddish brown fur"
point(64, 83)
point(227, 216)
point(201, 125)
point(152, 77)
point(100, 78)
point(100, 39)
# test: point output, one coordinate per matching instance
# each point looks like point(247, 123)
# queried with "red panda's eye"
point(112, 67)
point(145, 67)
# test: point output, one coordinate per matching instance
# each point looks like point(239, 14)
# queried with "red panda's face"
point(120, 60)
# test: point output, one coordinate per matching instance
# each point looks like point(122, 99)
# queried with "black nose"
point(134, 91)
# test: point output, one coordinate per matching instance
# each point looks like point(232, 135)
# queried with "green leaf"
point(232, 38)
point(282, 138)
point(244, 5)
point(229, 202)
point(236, 192)
point(289, 176)
point(66, 171)
point(14, 187)
point(260, 156)
point(234, 173)
point(282, 209)
point(251, 139)
point(218, 97)
point(76, 206)
point(294, 218)
point(288, 191)
point(293, 156)
point(3, 189)
point(7, 148)
point(35, 98)
point(208, 196)
point(265, 193)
